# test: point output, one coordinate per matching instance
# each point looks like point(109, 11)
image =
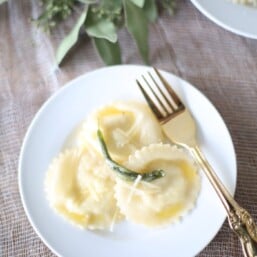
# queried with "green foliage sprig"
point(101, 20)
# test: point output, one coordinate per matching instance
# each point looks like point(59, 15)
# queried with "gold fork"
point(180, 127)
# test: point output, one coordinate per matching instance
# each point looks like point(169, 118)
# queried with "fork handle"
point(240, 220)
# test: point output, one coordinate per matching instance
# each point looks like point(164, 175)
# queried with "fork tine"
point(150, 102)
point(169, 89)
point(154, 93)
point(163, 95)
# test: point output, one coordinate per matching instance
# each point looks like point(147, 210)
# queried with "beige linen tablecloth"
point(222, 65)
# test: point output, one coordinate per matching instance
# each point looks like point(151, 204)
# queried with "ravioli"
point(163, 200)
point(82, 188)
point(79, 186)
point(126, 126)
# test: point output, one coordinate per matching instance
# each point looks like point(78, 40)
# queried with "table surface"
point(221, 64)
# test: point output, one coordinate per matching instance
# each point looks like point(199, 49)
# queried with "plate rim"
point(60, 91)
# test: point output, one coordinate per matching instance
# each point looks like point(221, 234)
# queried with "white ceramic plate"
point(47, 134)
point(236, 18)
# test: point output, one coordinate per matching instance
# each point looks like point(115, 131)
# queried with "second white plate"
point(236, 18)
point(56, 120)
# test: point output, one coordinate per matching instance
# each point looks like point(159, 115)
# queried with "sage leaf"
point(124, 172)
point(70, 40)
point(100, 27)
point(2, 1)
point(108, 51)
point(137, 25)
point(150, 10)
point(139, 3)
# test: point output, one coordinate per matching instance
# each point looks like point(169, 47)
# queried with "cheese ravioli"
point(82, 188)
point(79, 186)
point(126, 126)
point(165, 199)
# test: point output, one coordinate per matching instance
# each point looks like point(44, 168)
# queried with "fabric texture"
point(220, 64)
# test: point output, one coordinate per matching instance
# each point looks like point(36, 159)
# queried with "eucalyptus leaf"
point(139, 3)
point(100, 27)
point(108, 51)
point(150, 10)
point(137, 25)
point(102, 20)
point(2, 1)
point(70, 40)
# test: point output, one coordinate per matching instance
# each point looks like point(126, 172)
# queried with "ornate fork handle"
point(243, 225)
point(248, 221)
point(241, 222)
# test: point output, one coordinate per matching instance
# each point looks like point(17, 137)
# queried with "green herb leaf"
point(87, 1)
point(101, 20)
point(139, 3)
point(137, 25)
point(150, 10)
point(108, 51)
point(111, 5)
point(69, 41)
point(2, 1)
point(125, 173)
point(100, 27)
